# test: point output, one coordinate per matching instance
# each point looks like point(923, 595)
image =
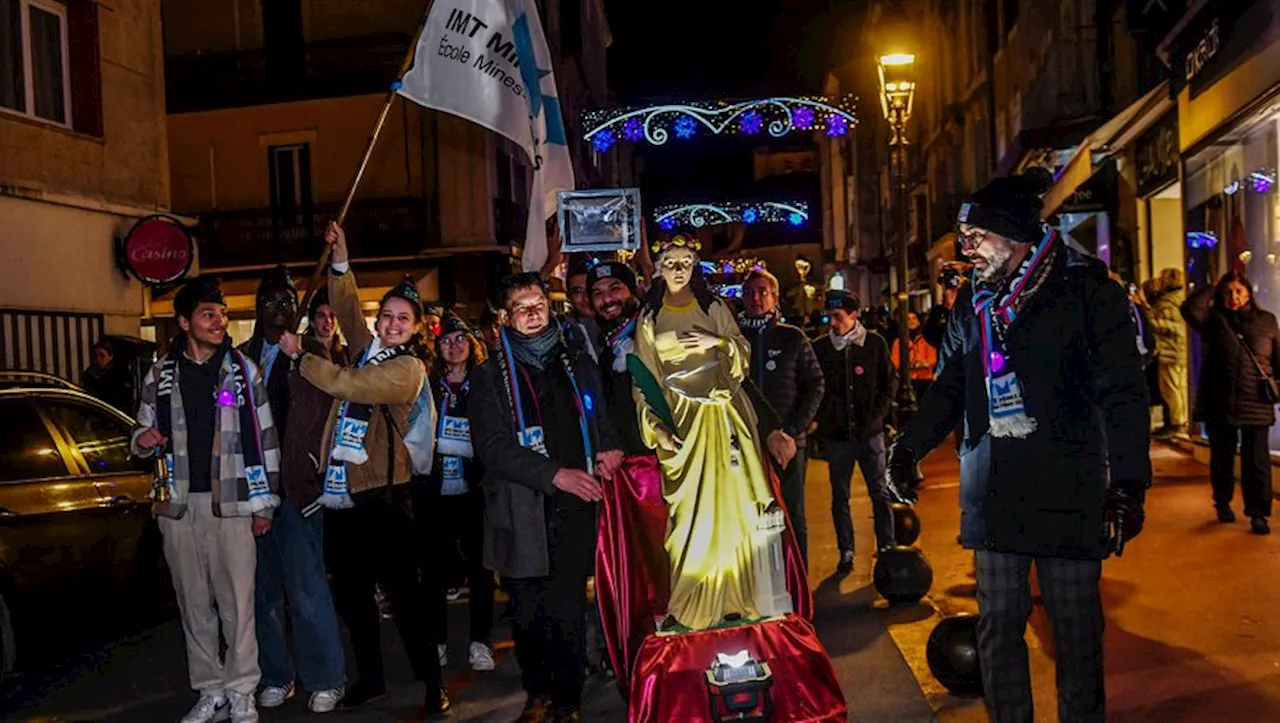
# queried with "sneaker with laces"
point(243, 709)
point(481, 657)
point(274, 696)
point(443, 651)
point(211, 707)
point(324, 701)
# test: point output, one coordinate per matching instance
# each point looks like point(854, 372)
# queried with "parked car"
point(77, 539)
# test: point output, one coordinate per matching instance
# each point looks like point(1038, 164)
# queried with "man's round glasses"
point(971, 239)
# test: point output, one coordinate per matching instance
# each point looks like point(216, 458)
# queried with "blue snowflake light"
point(837, 126)
point(749, 216)
point(751, 122)
point(803, 118)
point(667, 223)
point(633, 130)
point(795, 219)
point(604, 140)
point(685, 127)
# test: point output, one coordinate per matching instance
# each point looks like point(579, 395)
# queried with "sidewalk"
point(1193, 607)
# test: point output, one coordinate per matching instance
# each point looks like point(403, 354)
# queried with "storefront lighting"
point(1262, 181)
point(1246, 256)
point(1202, 239)
point(1271, 259)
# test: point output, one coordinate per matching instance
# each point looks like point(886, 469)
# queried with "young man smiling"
point(201, 393)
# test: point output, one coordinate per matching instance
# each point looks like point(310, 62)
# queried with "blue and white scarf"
point(349, 433)
point(1005, 405)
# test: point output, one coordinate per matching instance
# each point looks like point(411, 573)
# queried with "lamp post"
point(897, 90)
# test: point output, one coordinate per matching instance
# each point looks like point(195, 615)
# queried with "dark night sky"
point(676, 50)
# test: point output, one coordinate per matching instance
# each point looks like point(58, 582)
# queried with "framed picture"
point(606, 219)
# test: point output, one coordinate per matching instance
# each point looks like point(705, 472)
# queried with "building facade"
point(270, 108)
point(82, 128)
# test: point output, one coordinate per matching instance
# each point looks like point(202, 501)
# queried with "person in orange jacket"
point(924, 356)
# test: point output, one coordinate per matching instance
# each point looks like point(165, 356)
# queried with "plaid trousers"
point(1070, 592)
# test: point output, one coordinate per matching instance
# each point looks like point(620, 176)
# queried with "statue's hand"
point(668, 439)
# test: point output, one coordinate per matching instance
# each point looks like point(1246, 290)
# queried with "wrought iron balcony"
point(324, 69)
point(376, 228)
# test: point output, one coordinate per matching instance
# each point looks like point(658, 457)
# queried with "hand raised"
point(337, 239)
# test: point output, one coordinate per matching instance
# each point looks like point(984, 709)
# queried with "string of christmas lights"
point(713, 214)
point(776, 116)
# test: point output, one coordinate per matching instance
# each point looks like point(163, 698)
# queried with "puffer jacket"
point(786, 371)
point(1170, 329)
point(1230, 389)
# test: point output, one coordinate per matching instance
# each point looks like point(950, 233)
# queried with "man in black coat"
point(786, 372)
point(536, 428)
point(859, 382)
point(1039, 361)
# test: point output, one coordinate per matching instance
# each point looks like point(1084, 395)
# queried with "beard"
point(995, 268)
point(616, 313)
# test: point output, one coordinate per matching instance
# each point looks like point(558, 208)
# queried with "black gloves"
point(900, 472)
point(1122, 517)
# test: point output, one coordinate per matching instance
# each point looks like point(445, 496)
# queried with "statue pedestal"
point(795, 681)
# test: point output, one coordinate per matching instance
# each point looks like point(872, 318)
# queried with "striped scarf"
point(1006, 407)
point(527, 416)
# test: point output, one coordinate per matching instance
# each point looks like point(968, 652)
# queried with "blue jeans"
point(869, 455)
point(291, 564)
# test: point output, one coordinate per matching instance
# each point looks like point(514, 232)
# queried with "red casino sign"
point(158, 250)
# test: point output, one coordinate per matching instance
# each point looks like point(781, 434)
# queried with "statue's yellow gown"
point(724, 550)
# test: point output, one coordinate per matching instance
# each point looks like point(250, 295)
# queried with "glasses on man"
point(971, 238)
point(280, 302)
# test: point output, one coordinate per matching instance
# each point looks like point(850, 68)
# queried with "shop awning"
point(1109, 138)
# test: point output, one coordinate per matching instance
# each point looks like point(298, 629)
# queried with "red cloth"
point(632, 570)
point(670, 681)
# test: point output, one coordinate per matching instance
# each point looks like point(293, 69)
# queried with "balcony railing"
point(324, 69)
point(376, 228)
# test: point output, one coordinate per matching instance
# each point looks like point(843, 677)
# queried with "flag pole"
point(318, 273)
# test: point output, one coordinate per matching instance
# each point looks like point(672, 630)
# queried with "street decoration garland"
point(698, 215)
point(777, 116)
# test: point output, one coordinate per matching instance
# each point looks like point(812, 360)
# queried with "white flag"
point(487, 61)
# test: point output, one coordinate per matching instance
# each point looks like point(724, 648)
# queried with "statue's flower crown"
point(678, 241)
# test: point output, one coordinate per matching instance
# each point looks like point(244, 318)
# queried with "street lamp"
point(897, 91)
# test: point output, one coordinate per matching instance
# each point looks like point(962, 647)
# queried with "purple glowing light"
point(803, 117)
point(632, 130)
point(226, 398)
point(667, 223)
point(997, 362)
point(604, 140)
point(751, 122)
point(837, 126)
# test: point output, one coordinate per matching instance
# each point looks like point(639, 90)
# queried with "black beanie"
point(1010, 206)
point(612, 270)
point(451, 322)
point(202, 289)
point(840, 299)
point(408, 291)
point(277, 279)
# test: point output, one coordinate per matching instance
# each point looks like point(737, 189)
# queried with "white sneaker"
point(443, 651)
point(324, 701)
point(210, 707)
point(274, 696)
point(242, 708)
point(453, 593)
point(481, 656)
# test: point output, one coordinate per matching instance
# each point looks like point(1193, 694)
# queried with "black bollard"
point(902, 575)
point(952, 653)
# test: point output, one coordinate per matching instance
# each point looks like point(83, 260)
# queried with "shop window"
point(1233, 211)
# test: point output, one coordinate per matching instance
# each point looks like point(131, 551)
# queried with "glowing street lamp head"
point(897, 59)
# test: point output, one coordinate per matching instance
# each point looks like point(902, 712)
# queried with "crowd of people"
point(400, 459)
